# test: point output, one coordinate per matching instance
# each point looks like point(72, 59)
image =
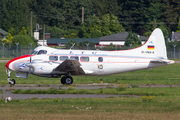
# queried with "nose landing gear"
point(11, 82)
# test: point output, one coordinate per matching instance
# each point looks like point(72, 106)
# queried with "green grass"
point(92, 108)
point(6, 58)
point(161, 75)
point(173, 91)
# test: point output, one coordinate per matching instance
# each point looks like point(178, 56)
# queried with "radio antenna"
point(72, 45)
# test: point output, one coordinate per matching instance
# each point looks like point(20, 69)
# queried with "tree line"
point(63, 18)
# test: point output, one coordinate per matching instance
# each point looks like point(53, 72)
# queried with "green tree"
point(23, 31)
point(57, 32)
point(169, 14)
point(12, 31)
point(134, 14)
point(99, 27)
point(91, 29)
point(72, 35)
point(110, 47)
point(154, 12)
point(133, 39)
point(147, 34)
point(100, 7)
point(23, 40)
point(137, 16)
point(164, 30)
point(8, 39)
point(82, 45)
point(178, 28)
point(69, 44)
point(61, 13)
point(13, 17)
point(169, 45)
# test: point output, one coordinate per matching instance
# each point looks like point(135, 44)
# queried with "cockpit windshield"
point(42, 52)
point(34, 52)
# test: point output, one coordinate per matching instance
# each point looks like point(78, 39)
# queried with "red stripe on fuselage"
point(17, 58)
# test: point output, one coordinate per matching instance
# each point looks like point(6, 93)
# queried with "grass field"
point(124, 108)
point(161, 75)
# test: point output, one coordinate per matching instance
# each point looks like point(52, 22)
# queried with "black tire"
point(63, 80)
point(69, 80)
point(13, 82)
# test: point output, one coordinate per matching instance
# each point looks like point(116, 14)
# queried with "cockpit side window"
point(42, 52)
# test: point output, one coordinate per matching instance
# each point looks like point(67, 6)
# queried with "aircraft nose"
point(10, 63)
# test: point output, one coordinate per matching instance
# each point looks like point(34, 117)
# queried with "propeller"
point(30, 64)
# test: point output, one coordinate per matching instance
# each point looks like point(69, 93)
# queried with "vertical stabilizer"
point(154, 47)
point(156, 42)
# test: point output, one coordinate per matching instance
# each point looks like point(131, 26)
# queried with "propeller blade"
point(30, 70)
point(30, 65)
point(30, 58)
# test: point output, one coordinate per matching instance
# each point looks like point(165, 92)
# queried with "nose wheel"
point(67, 80)
point(12, 82)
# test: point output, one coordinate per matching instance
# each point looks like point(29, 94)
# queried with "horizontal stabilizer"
point(162, 61)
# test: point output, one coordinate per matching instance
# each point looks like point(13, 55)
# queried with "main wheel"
point(68, 80)
point(63, 80)
point(13, 82)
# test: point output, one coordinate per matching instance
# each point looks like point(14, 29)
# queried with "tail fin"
point(154, 47)
point(156, 43)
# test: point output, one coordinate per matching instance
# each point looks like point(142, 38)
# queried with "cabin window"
point(53, 58)
point(34, 52)
point(74, 58)
point(42, 52)
point(100, 59)
point(62, 58)
point(84, 59)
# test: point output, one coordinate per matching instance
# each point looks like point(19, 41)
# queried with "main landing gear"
point(11, 82)
point(67, 80)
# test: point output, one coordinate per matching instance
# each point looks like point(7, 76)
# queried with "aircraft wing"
point(72, 66)
point(162, 61)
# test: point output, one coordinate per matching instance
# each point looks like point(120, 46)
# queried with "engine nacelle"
point(42, 68)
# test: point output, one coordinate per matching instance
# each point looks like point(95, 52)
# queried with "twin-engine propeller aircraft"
point(50, 62)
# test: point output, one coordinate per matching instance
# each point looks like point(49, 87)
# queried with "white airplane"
point(50, 62)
